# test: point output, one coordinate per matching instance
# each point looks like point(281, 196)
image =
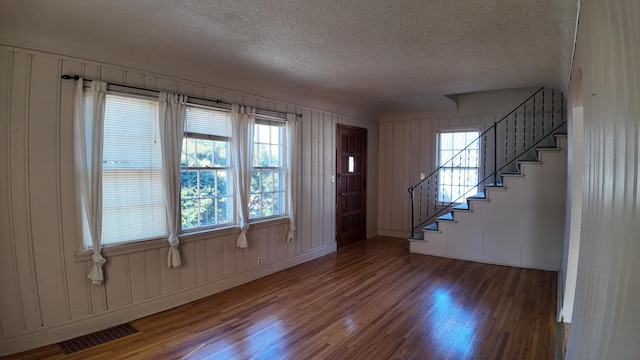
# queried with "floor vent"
point(97, 338)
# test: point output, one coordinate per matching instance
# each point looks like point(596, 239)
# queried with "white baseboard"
point(93, 323)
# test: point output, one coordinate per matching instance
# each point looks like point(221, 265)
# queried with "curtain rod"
point(217, 101)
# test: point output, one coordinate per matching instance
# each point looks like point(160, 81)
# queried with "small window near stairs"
point(459, 162)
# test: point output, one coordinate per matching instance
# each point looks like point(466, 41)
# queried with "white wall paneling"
point(45, 295)
point(27, 313)
point(606, 311)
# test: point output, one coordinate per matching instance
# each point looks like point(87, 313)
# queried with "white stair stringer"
point(520, 223)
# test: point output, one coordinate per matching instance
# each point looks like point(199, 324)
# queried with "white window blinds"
point(210, 122)
point(133, 198)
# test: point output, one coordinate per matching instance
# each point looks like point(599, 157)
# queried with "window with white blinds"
point(132, 184)
point(206, 175)
point(208, 121)
point(133, 206)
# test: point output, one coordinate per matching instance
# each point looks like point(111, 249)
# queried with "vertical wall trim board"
point(181, 271)
point(196, 263)
point(58, 187)
point(89, 296)
point(128, 265)
point(10, 228)
point(206, 265)
point(324, 174)
point(146, 270)
point(159, 269)
point(329, 228)
point(322, 199)
point(27, 119)
point(316, 227)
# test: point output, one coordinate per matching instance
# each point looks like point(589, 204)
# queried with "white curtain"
point(88, 146)
point(173, 111)
point(242, 123)
point(292, 168)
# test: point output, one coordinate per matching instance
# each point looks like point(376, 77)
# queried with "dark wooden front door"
point(351, 199)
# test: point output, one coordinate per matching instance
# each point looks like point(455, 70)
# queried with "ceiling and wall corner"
point(366, 59)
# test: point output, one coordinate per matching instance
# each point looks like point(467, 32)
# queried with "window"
point(267, 197)
point(206, 176)
point(132, 185)
point(459, 156)
point(133, 191)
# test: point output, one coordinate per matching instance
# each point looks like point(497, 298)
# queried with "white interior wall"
point(46, 296)
point(408, 148)
point(606, 313)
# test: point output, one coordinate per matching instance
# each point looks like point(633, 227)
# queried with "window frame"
point(263, 117)
point(281, 124)
point(215, 168)
point(229, 168)
point(437, 152)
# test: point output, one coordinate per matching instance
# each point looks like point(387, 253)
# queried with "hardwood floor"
point(371, 300)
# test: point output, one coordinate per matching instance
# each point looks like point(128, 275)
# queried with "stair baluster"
point(427, 198)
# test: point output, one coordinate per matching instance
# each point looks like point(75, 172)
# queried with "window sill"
point(122, 248)
point(144, 245)
point(260, 223)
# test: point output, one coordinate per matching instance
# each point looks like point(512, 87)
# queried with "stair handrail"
point(448, 207)
point(496, 170)
point(478, 138)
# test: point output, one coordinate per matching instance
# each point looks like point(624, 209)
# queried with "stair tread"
point(535, 162)
point(463, 206)
point(418, 236)
point(446, 217)
point(479, 195)
point(432, 227)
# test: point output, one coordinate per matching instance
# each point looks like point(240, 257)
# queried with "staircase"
point(514, 214)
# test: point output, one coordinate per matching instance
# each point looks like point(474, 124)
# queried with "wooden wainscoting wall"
point(370, 300)
point(46, 296)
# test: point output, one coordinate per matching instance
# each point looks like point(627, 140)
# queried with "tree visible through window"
point(267, 179)
point(133, 206)
point(206, 183)
point(459, 157)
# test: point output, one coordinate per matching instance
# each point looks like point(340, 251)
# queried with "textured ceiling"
point(363, 58)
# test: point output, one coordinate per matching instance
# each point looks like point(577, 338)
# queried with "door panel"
point(351, 163)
